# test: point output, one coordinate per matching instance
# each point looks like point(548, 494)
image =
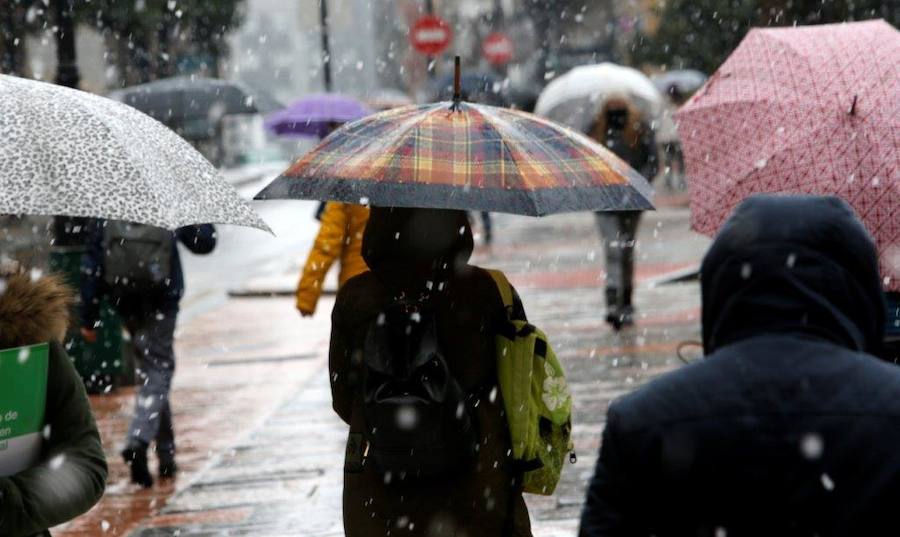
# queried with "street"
point(261, 450)
point(165, 371)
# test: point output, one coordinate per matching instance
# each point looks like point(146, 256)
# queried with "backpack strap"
point(506, 294)
point(503, 286)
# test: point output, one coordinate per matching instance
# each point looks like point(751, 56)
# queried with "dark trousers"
point(488, 227)
point(674, 165)
point(619, 229)
point(153, 338)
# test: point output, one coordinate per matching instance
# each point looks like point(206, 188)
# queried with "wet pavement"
point(260, 448)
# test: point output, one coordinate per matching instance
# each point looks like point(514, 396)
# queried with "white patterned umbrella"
point(70, 153)
point(575, 98)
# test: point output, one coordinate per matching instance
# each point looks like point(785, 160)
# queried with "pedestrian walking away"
point(139, 268)
point(69, 475)
point(790, 424)
point(621, 127)
point(422, 301)
point(340, 238)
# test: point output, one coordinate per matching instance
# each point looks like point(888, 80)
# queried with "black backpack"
point(418, 418)
point(137, 258)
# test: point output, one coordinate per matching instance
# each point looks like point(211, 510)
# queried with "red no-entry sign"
point(497, 48)
point(430, 35)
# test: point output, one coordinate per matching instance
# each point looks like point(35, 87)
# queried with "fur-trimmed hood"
point(635, 124)
point(33, 311)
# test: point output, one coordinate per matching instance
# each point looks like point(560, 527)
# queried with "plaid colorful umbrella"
point(812, 110)
point(463, 156)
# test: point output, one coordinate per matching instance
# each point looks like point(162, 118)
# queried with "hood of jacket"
point(33, 311)
point(635, 124)
point(410, 250)
point(793, 264)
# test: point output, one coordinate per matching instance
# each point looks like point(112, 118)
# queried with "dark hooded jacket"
point(71, 474)
point(408, 252)
point(789, 426)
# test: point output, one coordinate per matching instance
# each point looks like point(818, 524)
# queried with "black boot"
point(135, 455)
point(626, 313)
point(167, 466)
point(613, 310)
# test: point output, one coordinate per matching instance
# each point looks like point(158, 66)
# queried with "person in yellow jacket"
point(340, 235)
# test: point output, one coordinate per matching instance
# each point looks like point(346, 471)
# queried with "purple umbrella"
point(315, 115)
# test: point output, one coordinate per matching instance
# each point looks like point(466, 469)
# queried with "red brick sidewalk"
point(235, 366)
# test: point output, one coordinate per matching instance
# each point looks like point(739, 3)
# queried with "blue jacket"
point(200, 239)
point(789, 426)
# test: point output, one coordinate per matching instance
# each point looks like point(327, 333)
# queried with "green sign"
point(23, 395)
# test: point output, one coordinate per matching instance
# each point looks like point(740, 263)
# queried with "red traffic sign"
point(497, 48)
point(430, 35)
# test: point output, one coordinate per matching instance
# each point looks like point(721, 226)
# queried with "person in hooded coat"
point(622, 129)
point(411, 251)
point(70, 475)
point(789, 426)
point(150, 316)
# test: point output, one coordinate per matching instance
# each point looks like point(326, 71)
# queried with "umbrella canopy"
point(194, 105)
point(473, 157)
point(812, 110)
point(575, 98)
point(314, 115)
point(66, 152)
point(685, 81)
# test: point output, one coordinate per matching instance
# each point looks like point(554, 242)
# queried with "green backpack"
point(536, 399)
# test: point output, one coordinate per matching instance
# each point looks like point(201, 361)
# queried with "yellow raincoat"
point(340, 235)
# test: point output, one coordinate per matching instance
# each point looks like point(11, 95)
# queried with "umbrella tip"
point(852, 110)
point(457, 84)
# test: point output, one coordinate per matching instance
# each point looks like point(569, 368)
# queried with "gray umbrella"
point(193, 105)
point(70, 153)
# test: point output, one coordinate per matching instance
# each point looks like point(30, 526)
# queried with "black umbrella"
point(193, 105)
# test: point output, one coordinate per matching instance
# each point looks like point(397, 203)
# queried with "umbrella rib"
point(104, 118)
point(498, 124)
point(410, 125)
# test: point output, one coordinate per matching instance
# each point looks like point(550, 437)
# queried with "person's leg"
point(679, 162)
point(488, 228)
point(669, 164)
point(152, 338)
point(628, 225)
point(608, 224)
point(165, 443)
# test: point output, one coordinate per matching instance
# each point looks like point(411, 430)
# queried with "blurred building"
point(40, 58)
point(279, 47)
